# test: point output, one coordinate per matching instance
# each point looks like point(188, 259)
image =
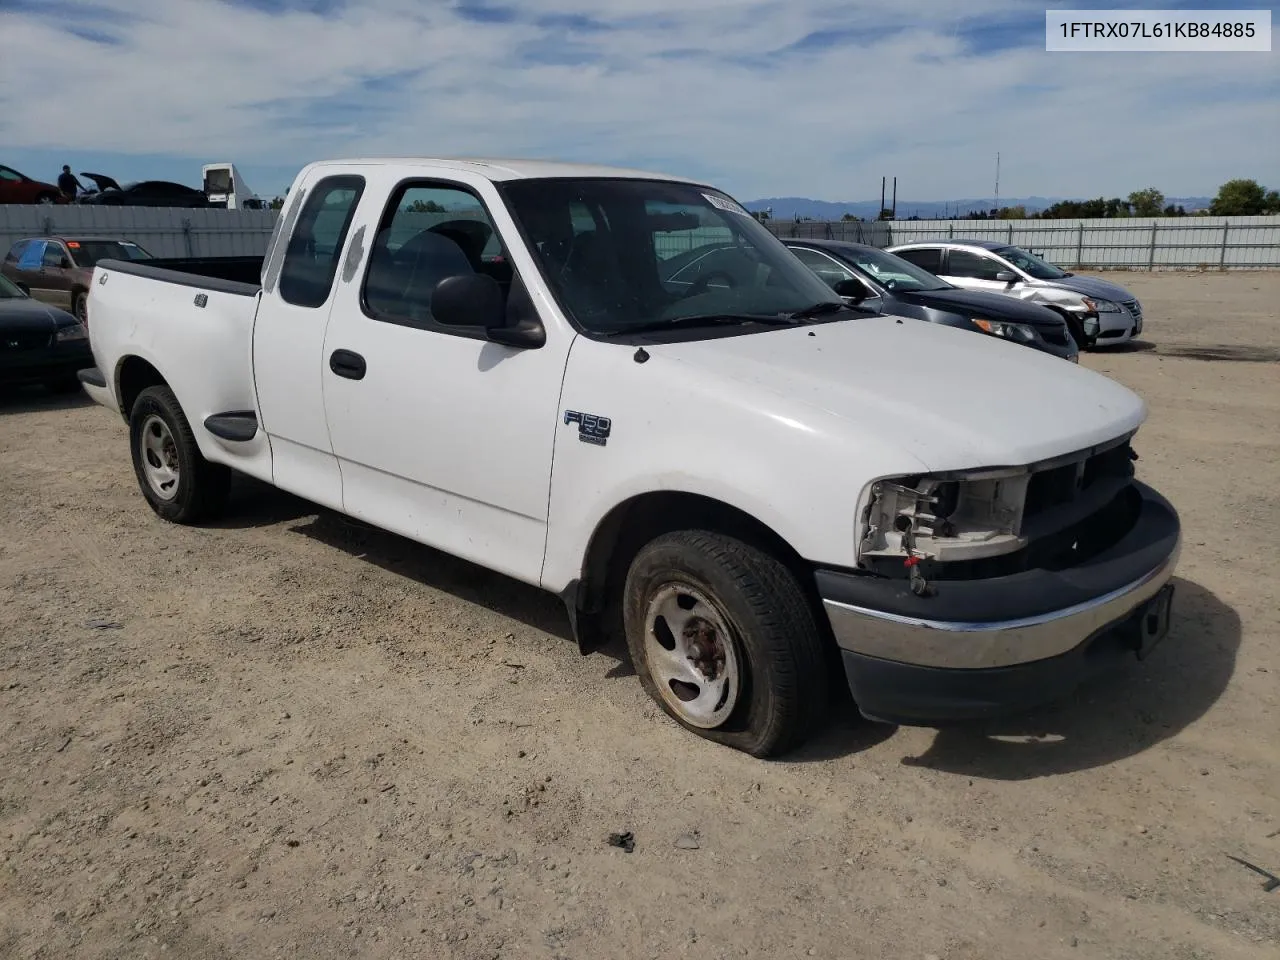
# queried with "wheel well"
point(630, 525)
point(134, 376)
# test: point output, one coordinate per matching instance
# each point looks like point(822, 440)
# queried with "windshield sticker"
point(724, 203)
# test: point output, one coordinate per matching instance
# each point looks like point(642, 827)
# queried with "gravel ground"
point(288, 736)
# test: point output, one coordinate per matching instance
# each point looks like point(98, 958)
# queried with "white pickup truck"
point(762, 488)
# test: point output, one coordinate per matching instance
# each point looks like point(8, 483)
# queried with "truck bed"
point(235, 275)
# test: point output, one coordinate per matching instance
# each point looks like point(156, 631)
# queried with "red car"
point(17, 188)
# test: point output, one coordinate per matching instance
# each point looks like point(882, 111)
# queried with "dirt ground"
point(287, 736)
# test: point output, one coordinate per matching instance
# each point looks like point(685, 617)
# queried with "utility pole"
point(894, 215)
point(881, 210)
point(997, 182)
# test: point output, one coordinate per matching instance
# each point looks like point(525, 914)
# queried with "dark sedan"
point(40, 343)
point(886, 283)
point(142, 193)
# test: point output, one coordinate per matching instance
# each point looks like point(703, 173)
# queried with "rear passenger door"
point(288, 334)
point(55, 278)
point(442, 436)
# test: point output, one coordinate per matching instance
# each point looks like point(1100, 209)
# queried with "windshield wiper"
point(817, 310)
point(708, 320)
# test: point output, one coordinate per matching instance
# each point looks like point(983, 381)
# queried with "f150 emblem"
point(591, 428)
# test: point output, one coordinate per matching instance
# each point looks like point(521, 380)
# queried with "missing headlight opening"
point(948, 518)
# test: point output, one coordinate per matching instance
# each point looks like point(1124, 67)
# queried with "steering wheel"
point(700, 285)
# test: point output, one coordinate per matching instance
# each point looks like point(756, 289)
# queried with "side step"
point(92, 376)
point(238, 425)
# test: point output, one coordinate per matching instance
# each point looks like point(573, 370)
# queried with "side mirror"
point(475, 300)
point(852, 289)
point(1006, 276)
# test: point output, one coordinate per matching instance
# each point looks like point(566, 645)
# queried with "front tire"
point(724, 639)
point(177, 481)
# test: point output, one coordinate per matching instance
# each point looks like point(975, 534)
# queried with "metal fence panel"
point(164, 231)
point(1136, 243)
point(1161, 243)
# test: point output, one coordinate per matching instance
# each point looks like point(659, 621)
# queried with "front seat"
point(420, 264)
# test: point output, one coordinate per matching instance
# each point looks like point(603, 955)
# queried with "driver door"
point(977, 271)
point(441, 435)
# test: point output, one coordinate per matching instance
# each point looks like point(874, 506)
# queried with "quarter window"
point(16, 251)
point(311, 260)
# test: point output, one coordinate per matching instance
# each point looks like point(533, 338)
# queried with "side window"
point(53, 254)
point(428, 232)
point(16, 251)
point(827, 269)
point(927, 258)
point(311, 259)
point(962, 263)
point(10, 175)
point(32, 255)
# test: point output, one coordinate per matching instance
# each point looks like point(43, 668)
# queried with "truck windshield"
point(87, 253)
point(1030, 263)
point(624, 254)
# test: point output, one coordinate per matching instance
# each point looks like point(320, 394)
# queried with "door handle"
point(346, 363)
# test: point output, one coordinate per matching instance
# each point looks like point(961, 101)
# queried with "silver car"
point(1098, 312)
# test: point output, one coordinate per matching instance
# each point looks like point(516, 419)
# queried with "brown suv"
point(57, 270)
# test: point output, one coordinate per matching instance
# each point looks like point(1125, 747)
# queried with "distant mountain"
point(787, 208)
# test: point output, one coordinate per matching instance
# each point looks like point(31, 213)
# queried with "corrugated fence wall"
point(1188, 243)
point(1161, 243)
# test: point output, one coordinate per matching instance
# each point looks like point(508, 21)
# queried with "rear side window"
point(311, 260)
point(52, 255)
point(927, 258)
point(15, 252)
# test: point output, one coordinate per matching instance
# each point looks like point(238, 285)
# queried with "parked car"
point(57, 270)
point(39, 343)
point(16, 187)
point(751, 484)
point(1100, 313)
point(884, 283)
point(141, 193)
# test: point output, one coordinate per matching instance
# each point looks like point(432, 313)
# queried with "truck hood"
point(1090, 287)
point(948, 398)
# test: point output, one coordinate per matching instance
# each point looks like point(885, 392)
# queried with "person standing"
point(67, 182)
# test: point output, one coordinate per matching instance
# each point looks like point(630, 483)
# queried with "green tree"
point(425, 206)
point(849, 218)
point(276, 203)
point(1013, 213)
point(1146, 203)
point(1244, 198)
point(1172, 211)
point(886, 214)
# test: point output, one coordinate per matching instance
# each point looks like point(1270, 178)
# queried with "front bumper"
point(44, 364)
point(987, 647)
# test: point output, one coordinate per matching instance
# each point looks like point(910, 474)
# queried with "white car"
point(753, 482)
point(1100, 313)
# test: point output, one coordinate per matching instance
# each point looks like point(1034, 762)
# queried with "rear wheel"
point(80, 307)
point(724, 639)
point(178, 482)
point(45, 198)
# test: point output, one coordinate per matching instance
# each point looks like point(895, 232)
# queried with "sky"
point(763, 98)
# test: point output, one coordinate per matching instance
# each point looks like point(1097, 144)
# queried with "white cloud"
point(210, 80)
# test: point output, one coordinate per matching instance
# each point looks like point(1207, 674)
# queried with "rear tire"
point(724, 639)
point(178, 482)
point(47, 198)
point(79, 308)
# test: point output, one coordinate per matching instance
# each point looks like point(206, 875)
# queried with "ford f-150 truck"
point(760, 487)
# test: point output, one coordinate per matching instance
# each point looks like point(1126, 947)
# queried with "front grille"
point(14, 342)
point(1057, 487)
point(1134, 308)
